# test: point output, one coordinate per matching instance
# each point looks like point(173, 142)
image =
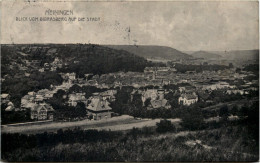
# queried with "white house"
point(187, 99)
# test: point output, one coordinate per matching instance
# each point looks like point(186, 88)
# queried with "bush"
point(192, 119)
point(223, 113)
point(164, 126)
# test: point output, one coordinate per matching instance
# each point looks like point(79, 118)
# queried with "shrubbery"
point(135, 145)
point(165, 126)
point(8, 117)
point(192, 119)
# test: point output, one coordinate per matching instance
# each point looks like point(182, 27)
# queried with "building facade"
point(187, 99)
point(42, 112)
point(98, 108)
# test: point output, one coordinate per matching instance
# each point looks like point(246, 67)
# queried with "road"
point(123, 122)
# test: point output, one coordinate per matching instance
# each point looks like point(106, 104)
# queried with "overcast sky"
point(186, 26)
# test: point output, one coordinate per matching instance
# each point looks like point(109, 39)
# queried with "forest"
point(100, 60)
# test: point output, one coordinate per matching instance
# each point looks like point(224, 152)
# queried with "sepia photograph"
point(129, 81)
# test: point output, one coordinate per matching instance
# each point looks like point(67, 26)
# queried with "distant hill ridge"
point(229, 55)
point(239, 54)
point(205, 55)
point(152, 51)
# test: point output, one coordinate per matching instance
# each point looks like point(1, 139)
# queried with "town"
point(55, 89)
point(96, 92)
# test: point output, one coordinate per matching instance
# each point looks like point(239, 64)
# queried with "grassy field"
point(230, 143)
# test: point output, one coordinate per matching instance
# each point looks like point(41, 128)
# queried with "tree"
point(75, 88)
point(173, 99)
point(253, 121)
point(58, 100)
point(15, 116)
point(89, 90)
point(238, 70)
point(234, 110)
point(192, 119)
point(59, 94)
point(243, 112)
point(123, 96)
point(81, 109)
point(223, 113)
point(147, 102)
point(164, 126)
point(137, 100)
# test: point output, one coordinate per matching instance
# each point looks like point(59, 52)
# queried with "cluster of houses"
point(35, 102)
point(75, 98)
point(206, 80)
point(33, 63)
point(213, 85)
point(188, 96)
point(98, 105)
point(36, 97)
point(155, 98)
point(57, 63)
point(5, 99)
point(159, 69)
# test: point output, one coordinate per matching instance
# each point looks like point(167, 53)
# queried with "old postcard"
point(129, 81)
